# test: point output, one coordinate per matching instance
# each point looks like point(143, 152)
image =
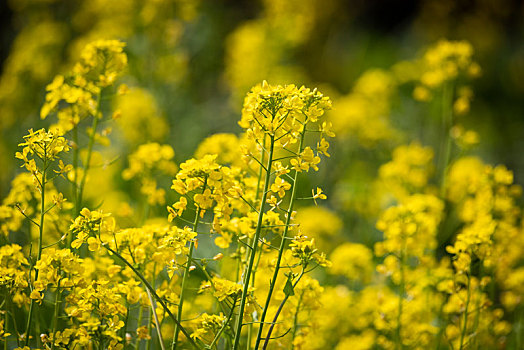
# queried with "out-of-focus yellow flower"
point(140, 118)
point(353, 261)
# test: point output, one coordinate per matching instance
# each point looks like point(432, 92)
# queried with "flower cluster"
point(216, 184)
point(208, 324)
point(101, 63)
point(283, 113)
point(304, 249)
point(424, 243)
point(222, 288)
point(409, 171)
point(58, 269)
point(410, 227)
point(444, 62)
point(44, 146)
point(147, 161)
point(364, 112)
point(88, 227)
point(13, 272)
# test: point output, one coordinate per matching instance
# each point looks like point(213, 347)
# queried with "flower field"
point(173, 179)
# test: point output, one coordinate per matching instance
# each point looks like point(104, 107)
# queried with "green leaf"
point(288, 288)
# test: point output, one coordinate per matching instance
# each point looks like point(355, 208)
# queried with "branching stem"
point(249, 269)
point(281, 250)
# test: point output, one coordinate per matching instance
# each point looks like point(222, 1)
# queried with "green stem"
point(281, 249)
point(100, 333)
point(280, 307)
point(40, 235)
point(250, 329)
point(465, 327)
point(447, 122)
point(261, 168)
point(182, 294)
point(295, 320)
point(259, 180)
point(153, 292)
point(88, 157)
point(518, 329)
point(150, 313)
point(57, 310)
point(477, 307)
point(6, 327)
point(74, 183)
point(155, 316)
point(186, 271)
point(401, 292)
point(247, 277)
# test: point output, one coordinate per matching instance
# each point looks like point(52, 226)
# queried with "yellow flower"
point(222, 288)
point(44, 144)
point(318, 195)
point(142, 332)
point(306, 160)
point(280, 186)
point(36, 295)
point(93, 244)
point(323, 146)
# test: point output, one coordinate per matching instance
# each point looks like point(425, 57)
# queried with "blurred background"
point(192, 61)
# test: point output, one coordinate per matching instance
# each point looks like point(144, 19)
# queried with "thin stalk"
point(42, 214)
point(55, 316)
point(401, 292)
point(281, 250)
point(447, 122)
point(295, 320)
point(247, 276)
point(261, 168)
point(153, 292)
point(465, 328)
point(252, 283)
point(250, 329)
point(477, 306)
point(259, 180)
point(6, 327)
point(74, 184)
point(88, 157)
point(186, 272)
point(40, 235)
point(182, 294)
point(518, 330)
point(100, 333)
point(280, 307)
point(150, 313)
point(155, 316)
point(255, 269)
